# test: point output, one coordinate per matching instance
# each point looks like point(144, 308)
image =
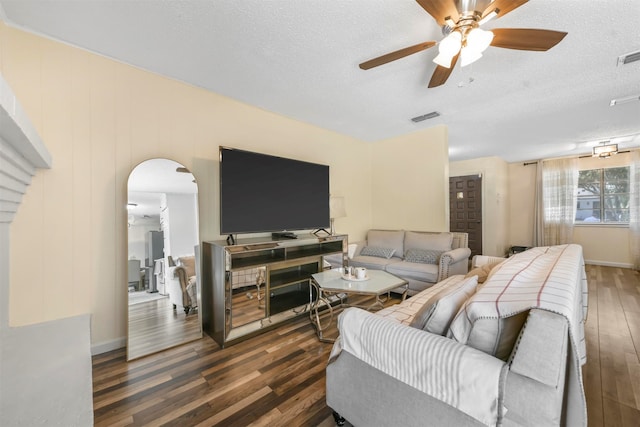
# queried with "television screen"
point(263, 193)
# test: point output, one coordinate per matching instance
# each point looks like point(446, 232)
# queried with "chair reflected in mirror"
point(134, 281)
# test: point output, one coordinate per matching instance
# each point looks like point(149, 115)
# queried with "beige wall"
point(495, 200)
point(522, 181)
point(100, 118)
point(410, 181)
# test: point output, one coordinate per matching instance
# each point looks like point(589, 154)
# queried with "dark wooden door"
point(465, 209)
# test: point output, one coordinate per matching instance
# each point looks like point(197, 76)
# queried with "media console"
point(278, 288)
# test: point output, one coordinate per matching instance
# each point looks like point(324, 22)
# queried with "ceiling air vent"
point(624, 100)
point(629, 57)
point(424, 117)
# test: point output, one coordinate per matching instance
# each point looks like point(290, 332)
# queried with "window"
point(603, 196)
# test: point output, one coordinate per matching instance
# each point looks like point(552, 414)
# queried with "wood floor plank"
point(239, 406)
point(130, 391)
point(123, 415)
point(159, 416)
point(278, 378)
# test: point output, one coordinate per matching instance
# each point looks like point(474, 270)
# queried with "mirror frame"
point(150, 179)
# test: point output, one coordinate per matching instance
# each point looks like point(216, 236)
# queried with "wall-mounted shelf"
point(231, 311)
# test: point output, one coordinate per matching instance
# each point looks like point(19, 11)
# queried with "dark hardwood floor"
point(612, 372)
point(278, 378)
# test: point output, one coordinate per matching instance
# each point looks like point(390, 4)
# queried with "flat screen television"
point(264, 193)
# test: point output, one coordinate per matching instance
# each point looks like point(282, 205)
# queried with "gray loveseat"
point(505, 352)
point(421, 258)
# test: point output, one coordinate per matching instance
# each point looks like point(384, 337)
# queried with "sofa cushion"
point(414, 271)
point(431, 241)
point(387, 239)
point(496, 337)
point(436, 314)
point(424, 256)
point(372, 262)
point(377, 251)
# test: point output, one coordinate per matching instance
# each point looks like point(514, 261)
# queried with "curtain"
point(558, 187)
point(538, 207)
point(634, 208)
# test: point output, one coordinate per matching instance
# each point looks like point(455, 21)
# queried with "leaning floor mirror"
point(163, 286)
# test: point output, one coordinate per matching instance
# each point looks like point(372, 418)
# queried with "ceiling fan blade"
point(440, 9)
point(504, 6)
point(526, 38)
point(396, 55)
point(441, 74)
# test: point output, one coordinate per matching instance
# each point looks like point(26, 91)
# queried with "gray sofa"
point(466, 355)
point(421, 258)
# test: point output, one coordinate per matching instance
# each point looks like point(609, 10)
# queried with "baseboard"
point(105, 346)
point(608, 263)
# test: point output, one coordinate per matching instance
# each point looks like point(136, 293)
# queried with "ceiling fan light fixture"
point(476, 42)
point(479, 40)
point(448, 48)
point(468, 56)
point(443, 60)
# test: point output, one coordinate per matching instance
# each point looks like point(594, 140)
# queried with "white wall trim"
point(608, 263)
point(106, 346)
point(21, 152)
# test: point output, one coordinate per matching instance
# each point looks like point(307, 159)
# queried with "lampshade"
point(468, 56)
point(337, 207)
point(479, 40)
point(448, 48)
point(476, 42)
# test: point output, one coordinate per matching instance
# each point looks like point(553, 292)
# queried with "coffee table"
point(330, 287)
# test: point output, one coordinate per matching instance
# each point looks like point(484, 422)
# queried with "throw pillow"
point(377, 252)
point(393, 239)
point(436, 315)
point(424, 256)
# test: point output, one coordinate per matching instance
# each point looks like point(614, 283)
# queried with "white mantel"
point(21, 153)
point(45, 369)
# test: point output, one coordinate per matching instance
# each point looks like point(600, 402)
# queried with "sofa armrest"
point(181, 273)
point(425, 362)
point(455, 261)
point(359, 245)
point(535, 386)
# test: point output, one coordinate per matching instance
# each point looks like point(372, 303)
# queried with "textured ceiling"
point(299, 58)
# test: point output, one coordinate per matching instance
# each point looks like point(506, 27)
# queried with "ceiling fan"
point(461, 21)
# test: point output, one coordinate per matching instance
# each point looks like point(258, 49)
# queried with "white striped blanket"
point(551, 278)
point(435, 365)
